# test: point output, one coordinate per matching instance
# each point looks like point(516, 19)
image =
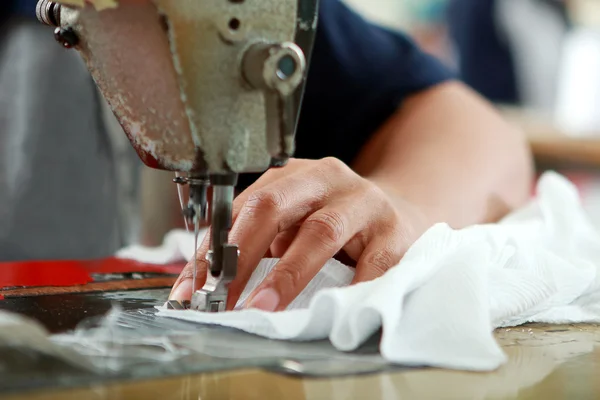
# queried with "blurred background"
point(538, 60)
point(538, 55)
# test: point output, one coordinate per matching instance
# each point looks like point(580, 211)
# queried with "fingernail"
point(266, 300)
point(183, 291)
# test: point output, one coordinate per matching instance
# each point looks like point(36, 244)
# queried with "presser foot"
point(206, 301)
point(213, 296)
point(176, 305)
point(223, 257)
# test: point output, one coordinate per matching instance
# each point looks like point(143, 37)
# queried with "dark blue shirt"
point(359, 76)
point(486, 61)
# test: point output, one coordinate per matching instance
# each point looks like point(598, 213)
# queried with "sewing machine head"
point(211, 86)
point(206, 88)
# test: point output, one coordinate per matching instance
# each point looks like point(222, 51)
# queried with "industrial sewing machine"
point(208, 89)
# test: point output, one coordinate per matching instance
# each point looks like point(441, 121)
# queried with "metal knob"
point(278, 70)
point(48, 12)
point(274, 67)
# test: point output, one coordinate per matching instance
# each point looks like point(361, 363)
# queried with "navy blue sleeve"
point(359, 75)
point(482, 52)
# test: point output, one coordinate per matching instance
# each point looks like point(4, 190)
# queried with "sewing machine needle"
point(196, 233)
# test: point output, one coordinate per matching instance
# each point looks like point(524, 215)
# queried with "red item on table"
point(73, 273)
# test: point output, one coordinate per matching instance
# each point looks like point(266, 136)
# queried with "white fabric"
point(26, 335)
point(438, 307)
point(177, 246)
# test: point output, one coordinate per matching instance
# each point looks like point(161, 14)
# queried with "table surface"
point(550, 145)
point(544, 362)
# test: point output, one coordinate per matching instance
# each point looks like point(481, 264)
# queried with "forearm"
point(448, 152)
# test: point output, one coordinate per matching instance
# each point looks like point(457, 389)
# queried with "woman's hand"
point(305, 214)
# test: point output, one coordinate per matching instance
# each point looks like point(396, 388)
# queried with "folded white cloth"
point(438, 307)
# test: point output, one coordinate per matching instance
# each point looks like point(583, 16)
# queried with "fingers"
point(305, 216)
point(268, 212)
point(267, 178)
point(183, 287)
point(381, 254)
point(320, 237)
point(283, 242)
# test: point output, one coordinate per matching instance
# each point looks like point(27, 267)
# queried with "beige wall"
point(586, 12)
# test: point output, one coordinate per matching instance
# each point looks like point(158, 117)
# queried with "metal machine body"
point(208, 89)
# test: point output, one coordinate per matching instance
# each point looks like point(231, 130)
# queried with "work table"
point(545, 361)
point(552, 146)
